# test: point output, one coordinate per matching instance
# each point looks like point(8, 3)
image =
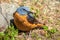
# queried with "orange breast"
point(22, 23)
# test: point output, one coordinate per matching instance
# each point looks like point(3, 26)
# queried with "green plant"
point(45, 27)
point(1, 35)
point(49, 32)
point(34, 35)
point(9, 34)
point(52, 31)
point(37, 13)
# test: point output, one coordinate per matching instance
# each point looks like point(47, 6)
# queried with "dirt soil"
point(48, 14)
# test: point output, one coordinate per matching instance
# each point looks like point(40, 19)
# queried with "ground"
point(48, 13)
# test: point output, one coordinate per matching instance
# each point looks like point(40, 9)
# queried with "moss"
point(9, 34)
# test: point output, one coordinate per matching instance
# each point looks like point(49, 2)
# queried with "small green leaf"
point(1, 33)
point(45, 27)
point(53, 30)
point(12, 38)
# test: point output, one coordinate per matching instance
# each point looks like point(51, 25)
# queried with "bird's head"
point(21, 10)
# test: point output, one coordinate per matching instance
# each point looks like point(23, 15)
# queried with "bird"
point(23, 19)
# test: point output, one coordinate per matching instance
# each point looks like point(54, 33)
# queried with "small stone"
point(6, 14)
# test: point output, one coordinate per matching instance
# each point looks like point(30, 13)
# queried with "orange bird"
point(24, 20)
